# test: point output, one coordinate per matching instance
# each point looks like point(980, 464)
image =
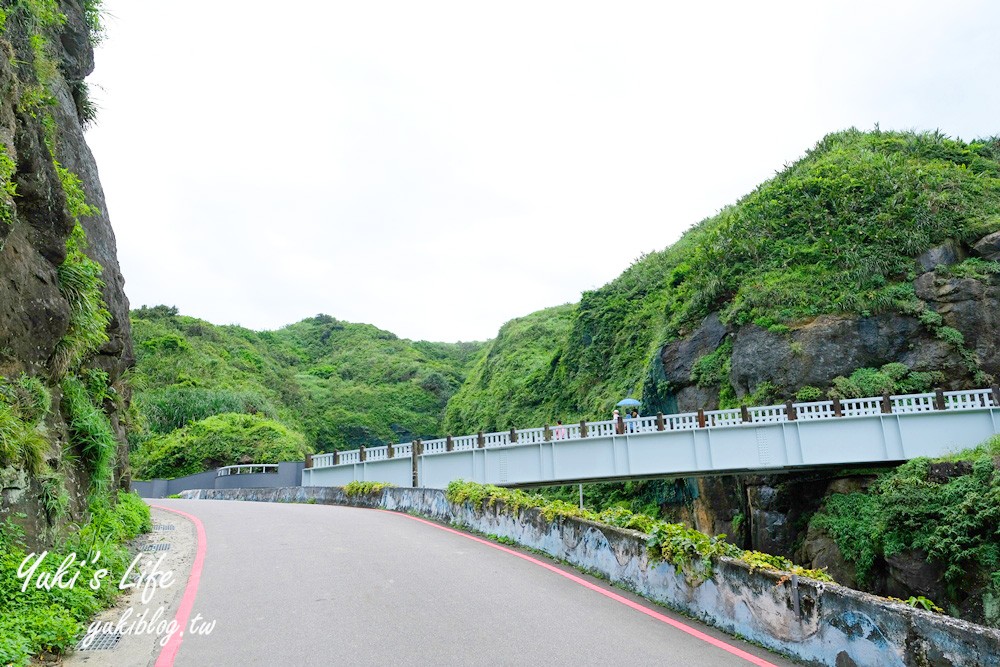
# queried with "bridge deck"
point(793, 436)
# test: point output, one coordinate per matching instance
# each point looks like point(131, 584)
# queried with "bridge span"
point(886, 429)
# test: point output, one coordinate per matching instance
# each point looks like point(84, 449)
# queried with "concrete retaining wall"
point(815, 622)
point(289, 474)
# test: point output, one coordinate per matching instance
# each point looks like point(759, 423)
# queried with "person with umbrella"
point(632, 416)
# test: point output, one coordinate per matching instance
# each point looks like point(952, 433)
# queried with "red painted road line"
point(169, 651)
point(683, 627)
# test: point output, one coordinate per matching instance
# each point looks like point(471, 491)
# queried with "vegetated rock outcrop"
point(870, 265)
point(64, 329)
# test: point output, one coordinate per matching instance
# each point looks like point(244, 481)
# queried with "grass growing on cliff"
point(38, 620)
point(80, 283)
point(947, 509)
point(691, 551)
point(91, 433)
point(24, 404)
point(836, 232)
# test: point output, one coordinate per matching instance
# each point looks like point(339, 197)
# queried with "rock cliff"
point(63, 312)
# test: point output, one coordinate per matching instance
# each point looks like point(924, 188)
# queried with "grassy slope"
point(340, 384)
point(837, 231)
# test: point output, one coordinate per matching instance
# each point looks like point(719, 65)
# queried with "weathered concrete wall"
point(819, 623)
point(289, 474)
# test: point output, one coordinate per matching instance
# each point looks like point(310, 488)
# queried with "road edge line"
point(683, 627)
point(169, 652)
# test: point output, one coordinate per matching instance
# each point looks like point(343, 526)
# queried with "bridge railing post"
point(449, 444)
point(480, 440)
point(939, 398)
point(309, 461)
point(744, 414)
point(362, 455)
point(790, 411)
point(701, 417)
point(336, 458)
point(513, 434)
point(996, 395)
point(660, 426)
point(389, 452)
point(416, 449)
point(838, 409)
point(583, 428)
point(886, 403)
point(547, 433)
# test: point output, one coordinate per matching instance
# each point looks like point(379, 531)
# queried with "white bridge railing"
point(732, 418)
point(247, 469)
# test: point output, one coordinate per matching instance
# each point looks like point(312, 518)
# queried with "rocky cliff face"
point(949, 332)
point(62, 317)
point(812, 353)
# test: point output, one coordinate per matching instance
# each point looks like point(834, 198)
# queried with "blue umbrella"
point(628, 402)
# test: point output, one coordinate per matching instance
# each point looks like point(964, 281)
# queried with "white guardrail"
point(733, 418)
point(249, 468)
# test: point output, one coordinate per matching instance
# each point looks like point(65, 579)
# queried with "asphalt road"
point(323, 585)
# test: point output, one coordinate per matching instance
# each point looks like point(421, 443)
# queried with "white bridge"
point(883, 429)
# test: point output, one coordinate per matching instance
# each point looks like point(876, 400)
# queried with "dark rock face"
point(821, 350)
point(945, 254)
point(972, 307)
point(678, 358)
point(988, 247)
point(34, 315)
point(774, 510)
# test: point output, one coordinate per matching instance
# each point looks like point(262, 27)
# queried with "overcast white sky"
point(438, 168)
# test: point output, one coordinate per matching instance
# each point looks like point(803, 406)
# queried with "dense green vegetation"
point(38, 620)
point(835, 232)
point(220, 440)
point(340, 385)
point(948, 509)
point(506, 385)
point(691, 551)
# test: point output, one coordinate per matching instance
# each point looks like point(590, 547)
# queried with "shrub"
point(357, 488)
point(220, 440)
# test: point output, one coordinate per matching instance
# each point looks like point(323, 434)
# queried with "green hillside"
point(332, 384)
point(835, 232)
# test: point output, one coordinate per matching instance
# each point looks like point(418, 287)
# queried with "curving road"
point(322, 585)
